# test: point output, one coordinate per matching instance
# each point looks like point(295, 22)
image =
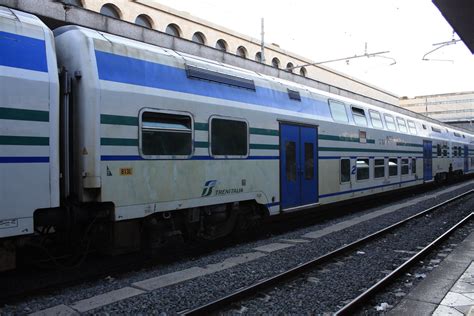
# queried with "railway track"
point(105, 273)
point(286, 276)
point(31, 281)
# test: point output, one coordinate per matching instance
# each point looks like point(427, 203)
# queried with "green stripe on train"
point(133, 121)
point(24, 115)
point(263, 131)
point(197, 144)
point(408, 144)
point(24, 140)
point(118, 120)
point(201, 144)
point(344, 139)
point(201, 126)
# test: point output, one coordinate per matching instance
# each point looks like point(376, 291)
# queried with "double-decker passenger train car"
point(134, 144)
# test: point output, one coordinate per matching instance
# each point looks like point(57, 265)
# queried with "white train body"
point(29, 118)
point(156, 131)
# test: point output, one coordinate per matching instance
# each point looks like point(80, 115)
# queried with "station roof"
point(459, 14)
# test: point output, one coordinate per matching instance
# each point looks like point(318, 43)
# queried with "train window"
point(455, 151)
point(376, 119)
point(424, 126)
point(435, 129)
point(362, 169)
point(402, 126)
point(390, 122)
point(308, 161)
point(359, 116)
point(338, 111)
point(405, 168)
point(472, 161)
point(460, 151)
point(457, 134)
point(413, 166)
point(290, 158)
point(229, 137)
point(345, 170)
point(412, 127)
point(438, 150)
point(379, 168)
point(166, 134)
point(445, 150)
point(393, 167)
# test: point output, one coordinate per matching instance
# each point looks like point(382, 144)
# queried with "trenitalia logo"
point(208, 186)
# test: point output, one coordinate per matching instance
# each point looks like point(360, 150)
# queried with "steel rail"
point(352, 306)
point(279, 278)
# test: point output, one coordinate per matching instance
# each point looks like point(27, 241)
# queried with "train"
point(115, 145)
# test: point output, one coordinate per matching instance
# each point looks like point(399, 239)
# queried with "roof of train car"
point(277, 84)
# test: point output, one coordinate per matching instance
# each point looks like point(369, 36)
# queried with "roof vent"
point(209, 75)
point(294, 95)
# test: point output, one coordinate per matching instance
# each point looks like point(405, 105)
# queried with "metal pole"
point(262, 47)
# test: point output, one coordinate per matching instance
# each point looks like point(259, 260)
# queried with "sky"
point(329, 29)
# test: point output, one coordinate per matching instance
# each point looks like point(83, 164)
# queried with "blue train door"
point(298, 165)
point(466, 158)
point(427, 160)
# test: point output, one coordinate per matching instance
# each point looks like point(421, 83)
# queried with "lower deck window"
point(229, 137)
point(165, 134)
point(345, 170)
point(405, 168)
point(379, 168)
point(393, 167)
point(413, 166)
point(362, 169)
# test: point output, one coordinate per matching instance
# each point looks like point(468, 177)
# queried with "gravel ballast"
point(192, 293)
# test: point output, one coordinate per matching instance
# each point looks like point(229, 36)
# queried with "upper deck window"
point(338, 111)
point(359, 116)
point(435, 129)
point(402, 126)
point(390, 122)
point(412, 127)
point(376, 119)
point(229, 137)
point(166, 134)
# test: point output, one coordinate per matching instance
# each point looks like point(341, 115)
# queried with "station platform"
point(447, 290)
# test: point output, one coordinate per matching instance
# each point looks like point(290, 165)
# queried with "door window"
point(308, 161)
point(290, 149)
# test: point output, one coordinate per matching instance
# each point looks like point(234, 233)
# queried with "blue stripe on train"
point(112, 67)
point(134, 158)
point(22, 52)
point(24, 159)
